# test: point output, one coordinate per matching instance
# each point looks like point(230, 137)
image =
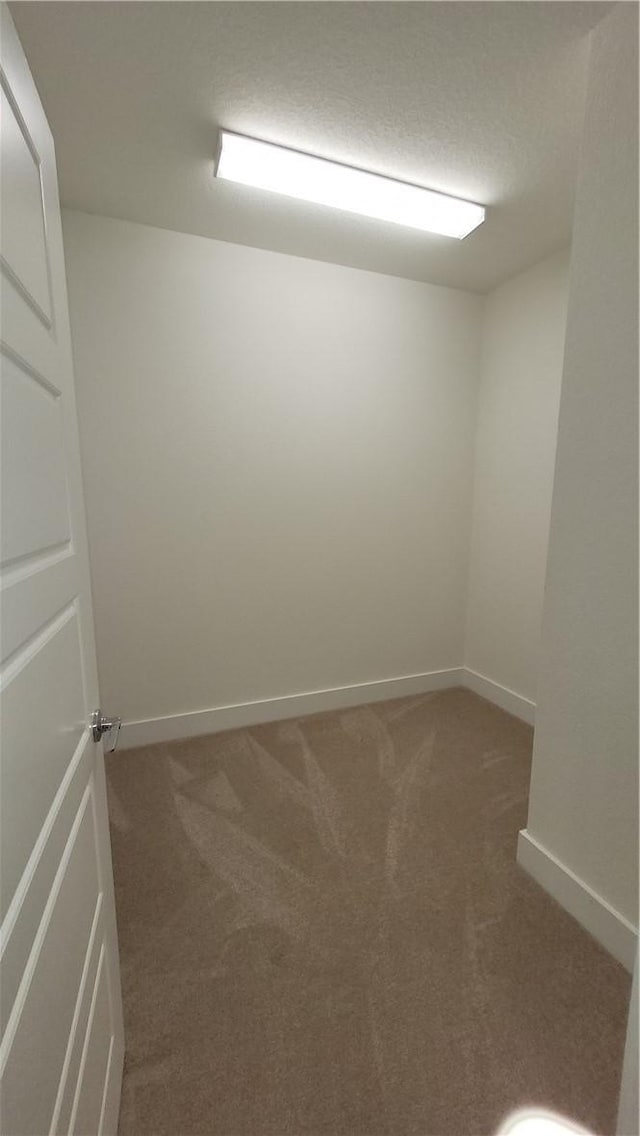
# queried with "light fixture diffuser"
point(289, 172)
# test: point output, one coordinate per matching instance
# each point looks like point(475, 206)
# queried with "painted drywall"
point(584, 786)
point(520, 376)
point(278, 460)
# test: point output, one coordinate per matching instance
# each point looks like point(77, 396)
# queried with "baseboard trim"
point(220, 718)
point(501, 696)
point(615, 933)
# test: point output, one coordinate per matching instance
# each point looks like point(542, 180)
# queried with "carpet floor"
point(323, 932)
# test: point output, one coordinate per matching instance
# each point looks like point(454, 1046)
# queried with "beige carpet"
point(323, 931)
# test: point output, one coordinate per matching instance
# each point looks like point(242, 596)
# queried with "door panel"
point(49, 676)
point(96, 1055)
point(25, 912)
point(62, 1044)
point(35, 506)
point(34, 595)
point(43, 1012)
point(71, 1083)
point(24, 248)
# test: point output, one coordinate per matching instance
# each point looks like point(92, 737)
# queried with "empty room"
point(319, 409)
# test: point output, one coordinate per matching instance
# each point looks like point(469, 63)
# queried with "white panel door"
point(62, 1045)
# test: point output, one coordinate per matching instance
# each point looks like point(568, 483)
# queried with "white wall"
point(278, 467)
point(522, 348)
point(584, 787)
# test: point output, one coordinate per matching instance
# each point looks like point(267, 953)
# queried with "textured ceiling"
point(483, 100)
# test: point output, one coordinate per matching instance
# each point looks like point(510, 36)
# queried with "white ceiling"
point(482, 100)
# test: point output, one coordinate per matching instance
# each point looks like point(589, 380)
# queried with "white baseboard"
point(501, 696)
point(615, 933)
point(276, 709)
point(216, 719)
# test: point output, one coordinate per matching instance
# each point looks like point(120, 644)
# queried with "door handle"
point(101, 726)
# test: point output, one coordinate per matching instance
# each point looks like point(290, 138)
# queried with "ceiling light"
point(289, 172)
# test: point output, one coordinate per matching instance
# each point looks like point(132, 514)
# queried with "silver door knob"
point(101, 726)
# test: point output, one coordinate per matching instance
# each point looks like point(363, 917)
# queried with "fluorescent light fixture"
point(534, 1122)
point(293, 174)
